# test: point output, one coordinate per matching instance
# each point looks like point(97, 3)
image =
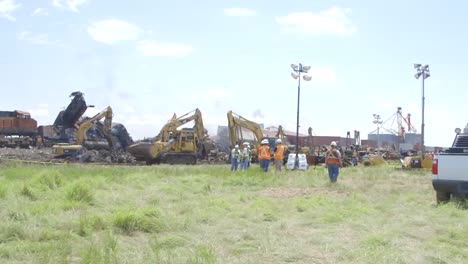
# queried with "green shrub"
point(3, 192)
point(80, 192)
point(28, 192)
point(89, 224)
point(145, 220)
point(52, 180)
point(11, 232)
point(203, 255)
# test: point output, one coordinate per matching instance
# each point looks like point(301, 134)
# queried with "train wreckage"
point(75, 137)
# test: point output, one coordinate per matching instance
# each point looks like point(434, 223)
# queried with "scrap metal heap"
point(102, 138)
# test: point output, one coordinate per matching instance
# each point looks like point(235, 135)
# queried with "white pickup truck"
point(450, 169)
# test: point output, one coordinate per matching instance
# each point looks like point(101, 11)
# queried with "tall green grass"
point(207, 214)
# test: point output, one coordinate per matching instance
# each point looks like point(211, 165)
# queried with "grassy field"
point(206, 214)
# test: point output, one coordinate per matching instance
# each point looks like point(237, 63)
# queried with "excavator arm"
point(235, 125)
point(281, 135)
point(84, 126)
point(176, 122)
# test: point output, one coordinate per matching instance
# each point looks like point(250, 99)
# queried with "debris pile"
point(104, 156)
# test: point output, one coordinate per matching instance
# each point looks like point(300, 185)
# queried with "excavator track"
point(179, 158)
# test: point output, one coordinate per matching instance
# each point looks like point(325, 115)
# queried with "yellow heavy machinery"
point(173, 145)
point(415, 162)
point(236, 126)
point(80, 138)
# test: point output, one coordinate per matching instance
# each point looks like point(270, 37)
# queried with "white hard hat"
point(265, 141)
point(278, 141)
point(236, 146)
point(333, 144)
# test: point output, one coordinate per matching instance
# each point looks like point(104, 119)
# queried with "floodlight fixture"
point(458, 130)
point(425, 73)
point(298, 69)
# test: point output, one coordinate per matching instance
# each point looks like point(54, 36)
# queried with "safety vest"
point(235, 153)
point(264, 152)
point(332, 157)
point(246, 153)
point(279, 152)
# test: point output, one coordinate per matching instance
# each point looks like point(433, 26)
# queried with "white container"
point(302, 162)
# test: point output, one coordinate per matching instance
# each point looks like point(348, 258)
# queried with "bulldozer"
point(237, 123)
point(173, 145)
point(80, 138)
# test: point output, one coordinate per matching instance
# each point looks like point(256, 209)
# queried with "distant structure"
point(397, 133)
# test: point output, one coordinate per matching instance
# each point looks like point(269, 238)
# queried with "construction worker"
point(245, 157)
point(279, 154)
point(333, 162)
point(235, 156)
point(250, 156)
point(354, 158)
point(264, 155)
point(39, 142)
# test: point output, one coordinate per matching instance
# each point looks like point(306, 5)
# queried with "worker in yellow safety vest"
point(279, 155)
point(264, 155)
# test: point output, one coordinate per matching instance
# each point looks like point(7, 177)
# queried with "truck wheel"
point(442, 197)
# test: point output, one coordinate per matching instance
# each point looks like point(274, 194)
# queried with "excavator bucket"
point(146, 151)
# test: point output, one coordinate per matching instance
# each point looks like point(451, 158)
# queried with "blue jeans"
point(264, 163)
point(244, 164)
point(333, 171)
point(234, 164)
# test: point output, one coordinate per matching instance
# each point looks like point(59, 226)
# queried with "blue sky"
point(149, 59)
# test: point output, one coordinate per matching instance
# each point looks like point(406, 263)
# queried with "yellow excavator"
point(237, 124)
point(81, 140)
point(173, 145)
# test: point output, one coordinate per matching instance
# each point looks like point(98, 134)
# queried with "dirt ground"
point(285, 192)
point(86, 156)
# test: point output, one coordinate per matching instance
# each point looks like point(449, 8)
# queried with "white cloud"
point(40, 12)
point(153, 48)
point(239, 12)
point(333, 21)
point(40, 110)
point(112, 31)
point(7, 7)
point(70, 4)
point(38, 39)
point(322, 74)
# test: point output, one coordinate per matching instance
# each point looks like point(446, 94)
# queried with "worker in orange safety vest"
point(333, 162)
point(279, 154)
point(264, 155)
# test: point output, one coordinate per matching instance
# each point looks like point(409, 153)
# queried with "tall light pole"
point(297, 75)
point(425, 73)
point(378, 122)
